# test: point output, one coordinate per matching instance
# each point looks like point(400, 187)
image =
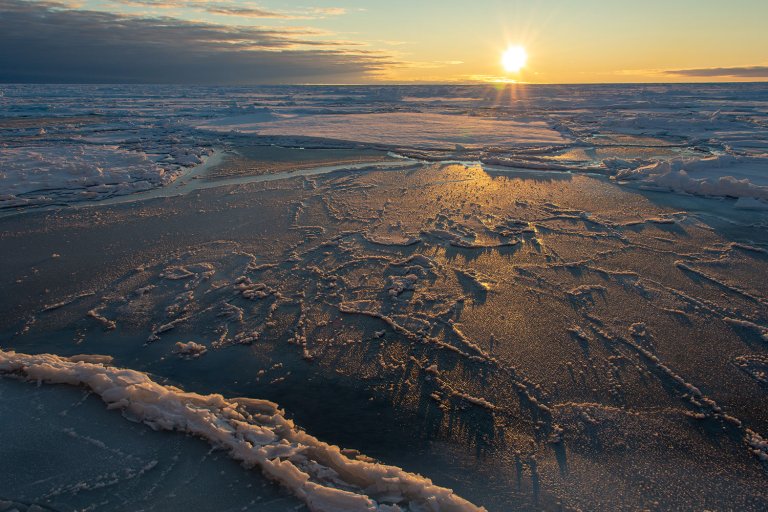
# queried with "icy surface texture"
point(74, 143)
point(531, 338)
point(543, 338)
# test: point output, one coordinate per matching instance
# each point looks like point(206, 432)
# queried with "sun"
point(514, 58)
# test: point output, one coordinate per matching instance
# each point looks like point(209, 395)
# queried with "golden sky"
point(358, 41)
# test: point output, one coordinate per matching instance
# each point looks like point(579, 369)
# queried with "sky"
point(393, 41)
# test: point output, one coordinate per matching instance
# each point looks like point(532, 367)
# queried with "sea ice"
point(255, 432)
point(400, 130)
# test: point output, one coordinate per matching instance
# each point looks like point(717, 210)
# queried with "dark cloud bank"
point(44, 42)
point(738, 72)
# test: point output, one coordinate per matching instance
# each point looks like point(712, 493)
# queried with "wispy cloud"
point(47, 42)
point(735, 72)
point(242, 12)
point(329, 11)
point(235, 9)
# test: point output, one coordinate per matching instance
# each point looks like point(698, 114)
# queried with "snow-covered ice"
point(404, 130)
point(72, 143)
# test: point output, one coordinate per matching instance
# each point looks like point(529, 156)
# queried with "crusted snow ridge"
point(255, 432)
point(722, 175)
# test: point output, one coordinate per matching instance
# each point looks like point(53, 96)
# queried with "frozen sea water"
point(533, 325)
point(65, 144)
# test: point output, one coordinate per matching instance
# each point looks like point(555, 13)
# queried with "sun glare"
point(514, 59)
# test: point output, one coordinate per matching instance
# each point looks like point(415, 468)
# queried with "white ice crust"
point(724, 175)
point(89, 170)
point(255, 432)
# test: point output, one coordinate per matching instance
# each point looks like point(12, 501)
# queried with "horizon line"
point(388, 84)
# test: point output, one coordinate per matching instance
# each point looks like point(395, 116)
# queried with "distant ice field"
point(63, 144)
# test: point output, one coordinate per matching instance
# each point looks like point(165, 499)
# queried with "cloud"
point(735, 72)
point(256, 12)
point(233, 9)
point(329, 11)
point(244, 12)
point(225, 8)
point(47, 42)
